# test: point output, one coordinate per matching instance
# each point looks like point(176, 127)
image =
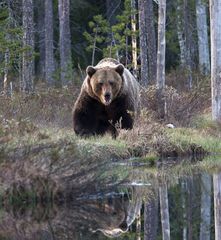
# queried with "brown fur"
point(109, 92)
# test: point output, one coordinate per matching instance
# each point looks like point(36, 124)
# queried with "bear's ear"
point(120, 69)
point(90, 70)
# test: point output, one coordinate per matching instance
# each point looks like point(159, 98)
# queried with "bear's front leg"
point(127, 120)
point(84, 124)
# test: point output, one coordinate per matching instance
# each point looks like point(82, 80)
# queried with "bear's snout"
point(107, 97)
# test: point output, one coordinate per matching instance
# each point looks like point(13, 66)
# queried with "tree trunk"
point(112, 7)
point(6, 68)
point(6, 88)
point(134, 37)
point(142, 4)
point(189, 45)
point(65, 41)
point(161, 56)
point(217, 203)
point(151, 42)
point(184, 40)
point(164, 210)
point(206, 191)
point(49, 47)
point(183, 183)
point(190, 201)
point(27, 84)
point(180, 34)
point(40, 68)
point(203, 44)
point(151, 219)
point(215, 29)
point(161, 44)
point(138, 226)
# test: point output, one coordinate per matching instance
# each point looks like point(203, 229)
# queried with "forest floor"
point(37, 139)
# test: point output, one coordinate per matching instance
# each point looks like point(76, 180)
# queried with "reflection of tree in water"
point(111, 215)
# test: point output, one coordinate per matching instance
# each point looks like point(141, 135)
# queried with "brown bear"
point(109, 95)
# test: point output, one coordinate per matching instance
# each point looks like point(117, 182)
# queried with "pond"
point(170, 201)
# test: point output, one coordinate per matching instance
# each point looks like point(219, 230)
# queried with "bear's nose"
point(107, 97)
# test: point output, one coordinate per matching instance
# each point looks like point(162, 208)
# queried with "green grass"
point(184, 138)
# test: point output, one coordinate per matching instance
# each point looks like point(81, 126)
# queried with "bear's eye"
point(111, 83)
point(100, 83)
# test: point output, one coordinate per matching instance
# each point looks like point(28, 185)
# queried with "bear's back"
point(107, 62)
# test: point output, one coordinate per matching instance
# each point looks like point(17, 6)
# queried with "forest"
point(159, 180)
point(57, 40)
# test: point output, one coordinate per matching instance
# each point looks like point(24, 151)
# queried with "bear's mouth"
point(107, 98)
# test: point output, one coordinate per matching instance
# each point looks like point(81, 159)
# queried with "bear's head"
point(104, 84)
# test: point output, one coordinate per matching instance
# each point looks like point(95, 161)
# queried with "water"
point(130, 206)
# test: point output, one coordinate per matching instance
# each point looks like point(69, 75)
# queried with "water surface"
point(132, 204)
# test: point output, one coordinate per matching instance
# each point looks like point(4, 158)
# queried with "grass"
point(185, 138)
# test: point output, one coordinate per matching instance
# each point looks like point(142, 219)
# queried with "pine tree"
point(10, 44)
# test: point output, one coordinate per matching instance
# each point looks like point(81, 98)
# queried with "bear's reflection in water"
point(81, 219)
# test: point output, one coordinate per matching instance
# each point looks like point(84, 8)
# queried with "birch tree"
point(151, 218)
point(40, 36)
point(202, 33)
point(164, 210)
point(65, 40)
point(7, 54)
point(183, 187)
point(206, 190)
point(138, 226)
point(161, 49)
point(185, 39)
point(217, 203)
point(27, 83)
point(151, 41)
point(134, 37)
point(142, 6)
point(215, 34)
point(49, 47)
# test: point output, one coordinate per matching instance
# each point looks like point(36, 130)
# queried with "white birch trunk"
point(182, 33)
point(6, 66)
point(134, 38)
point(40, 28)
point(164, 210)
point(65, 41)
point(151, 41)
point(49, 46)
point(138, 226)
point(161, 44)
point(184, 206)
point(143, 42)
point(151, 218)
point(161, 49)
point(206, 191)
point(203, 43)
point(215, 29)
point(217, 204)
point(27, 84)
